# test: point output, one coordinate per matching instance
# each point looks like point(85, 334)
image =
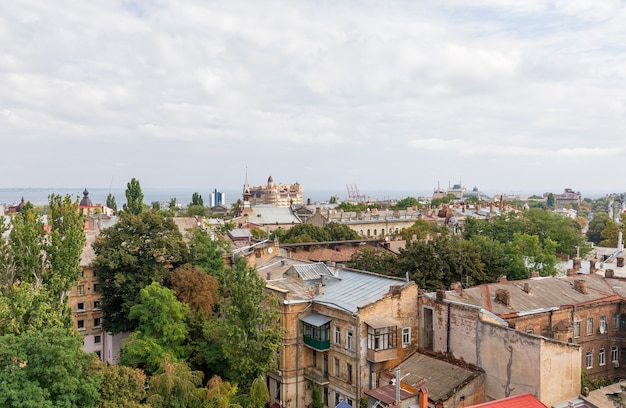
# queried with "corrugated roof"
point(308, 272)
point(315, 319)
point(544, 293)
point(387, 393)
point(442, 378)
point(526, 400)
point(381, 322)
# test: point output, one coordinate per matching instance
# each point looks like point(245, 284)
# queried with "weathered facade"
point(343, 328)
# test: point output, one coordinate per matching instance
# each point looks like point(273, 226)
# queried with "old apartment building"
point(534, 335)
point(344, 327)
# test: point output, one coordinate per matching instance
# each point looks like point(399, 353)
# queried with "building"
point(279, 195)
point(343, 329)
point(567, 198)
point(217, 198)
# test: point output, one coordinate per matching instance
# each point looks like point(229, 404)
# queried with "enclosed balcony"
point(316, 331)
point(381, 340)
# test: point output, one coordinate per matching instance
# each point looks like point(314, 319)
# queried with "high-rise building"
point(217, 198)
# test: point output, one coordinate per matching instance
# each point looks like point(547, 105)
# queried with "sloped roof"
point(545, 293)
point(526, 400)
point(308, 272)
point(269, 214)
point(442, 378)
point(387, 393)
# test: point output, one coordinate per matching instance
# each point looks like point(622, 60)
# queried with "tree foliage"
point(111, 203)
point(38, 269)
point(134, 197)
point(316, 396)
point(175, 386)
point(406, 203)
point(196, 199)
point(161, 332)
point(121, 387)
point(47, 368)
point(332, 231)
point(373, 259)
point(246, 328)
point(196, 289)
point(138, 250)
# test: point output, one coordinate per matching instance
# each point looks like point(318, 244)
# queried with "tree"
point(550, 200)
point(196, 199)
point(207, 252)
point(121, 387)
point(47, 369)
point(175, 386)
point(406, 203)
point(173, 204)
point(597, 224)
point(197, 210)
point(316, 396)
point(340, 232)
point(38, 269)
point(259, 394)
point(138, 250)
point(161, 332)
point(111, 202)
point(373, 259)
point(134, 197)
point(156, 205)
point(219, 394)
point(246, 327)
point(196, 289)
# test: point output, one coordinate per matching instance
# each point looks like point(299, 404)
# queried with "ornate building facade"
point(279, 195)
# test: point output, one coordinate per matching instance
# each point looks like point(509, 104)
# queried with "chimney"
point(503, 296)
point(620, 261)
point(282, 262)
point(577, 262)
point(423, 397)
point(571, 272)
point(456, 286)
point(527, 287)
point(502, 279)
point(441, 295)
point(269, 276)
point(308, 201)
point(534, 274)
point(581, 286)
point(318, 289)
point(610, 273)
point(592, 266)
point(318, 210)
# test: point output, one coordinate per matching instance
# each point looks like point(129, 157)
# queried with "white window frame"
point(577, 328)
point(406, 336)
point(589, 358)
point(337, 335)
point(602, 357)
point(589, 326)
point(349, 344)
point(602, 327)
point(614, 355)
point(616, 321)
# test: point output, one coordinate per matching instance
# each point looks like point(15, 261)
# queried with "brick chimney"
point(620, 261)
point(502, 279)
point(581, 286)
point(534, 274)
point(503, 296)
point(610, 273)
point(456, 286)
point(592, 266)
point(577, 263)
point(527, 287)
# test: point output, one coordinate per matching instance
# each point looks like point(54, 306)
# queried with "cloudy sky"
point(506, 95)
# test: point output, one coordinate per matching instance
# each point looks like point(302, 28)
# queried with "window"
point(383, 338)
point(96, 287)
point(80, 289)
point(277, 390)
point(80, 306)
point(545, 331)
point(616, 321)
point(576, 329)
point(314, 358)
point(349, 340)
point(99, 354)
point(602, 360)
point(337, 335)
point(406, 336)
point(622, 353)
point(349, 369)
point(97, 339)
point(622, 320)
point(337, 398)
point(326, 396)
point(614, 353)
point(97, 321)
point(589, 360)
point(589, 326)
point(530, 331)
point(602, 327)
point(96, 304)
point(80, 324)
point(350, 402)
point(337, 367)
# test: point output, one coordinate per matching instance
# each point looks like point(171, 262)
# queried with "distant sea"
point(39, 196)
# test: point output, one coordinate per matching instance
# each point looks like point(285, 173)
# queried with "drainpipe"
point(298, 345)
point(447, 334)
point(357, 366)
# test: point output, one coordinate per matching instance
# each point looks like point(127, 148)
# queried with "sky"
point(504, 95)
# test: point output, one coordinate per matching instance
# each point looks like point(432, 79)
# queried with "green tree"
point(597, 224)
point(111, 202)
point(138, 250)
point(134, 197)
point(219, 394)
point(173, 204)
point(340, 232)
point(259, 394)
point(156, 205)
point(121, 387)
point(406, 203)
point(161, 332)
point(208, 252)
point(197, 210)
point(47, 368)
point(196, 199)
point(316, 396)
point(305, 233)
point(258, 233)
point(175, 386)
point(38, 269)
point(246, 327)
point(550, 200)
point(373, 259)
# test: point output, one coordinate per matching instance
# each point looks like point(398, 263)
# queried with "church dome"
point(86, 201)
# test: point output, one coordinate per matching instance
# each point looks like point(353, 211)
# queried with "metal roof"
point(315, 319)
point(269, 214)
point(380, 322)
point(308, 272)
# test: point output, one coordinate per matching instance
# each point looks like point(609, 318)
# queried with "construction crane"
point(354, 194)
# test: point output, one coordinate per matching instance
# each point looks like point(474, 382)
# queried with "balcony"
point(378, 356)
point(316, 331)
point(317, 344)
point(316, 375)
